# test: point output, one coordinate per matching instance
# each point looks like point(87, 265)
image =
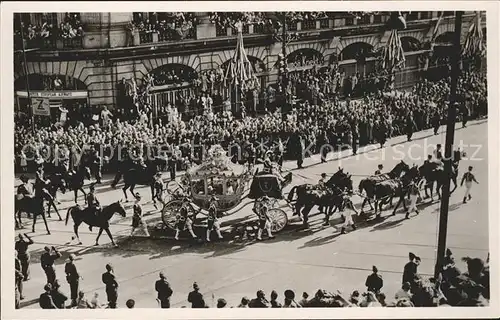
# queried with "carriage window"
point(198, 186)
point(232, 186)
point(216, 186)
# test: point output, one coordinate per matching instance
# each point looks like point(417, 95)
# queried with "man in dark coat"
point(409, 125)
point(164, 291)
point(21, 247)
point(374, 281)
point(355, 137)
point(196, 298)
point(58, 296)
point(410, 270)
point(260, 301)
point(47, 261)
point(109, 279)
point(19, 279)
point(45, 299)
point(73, 278)
point(436, 121)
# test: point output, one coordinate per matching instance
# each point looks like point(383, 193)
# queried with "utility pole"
point(450, 136)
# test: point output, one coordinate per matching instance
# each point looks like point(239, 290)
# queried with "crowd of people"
point(37, 35)
point(316, 120)
point(453, 287)
point(168, 25)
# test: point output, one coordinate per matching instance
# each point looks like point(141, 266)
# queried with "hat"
point(162, 275)
point(289, 294)
point(71, 257)
point(374, 269)
point(323, 175)
point(137, 195)
point(221, 303)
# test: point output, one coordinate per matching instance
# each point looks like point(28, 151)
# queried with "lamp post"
point(285, 38)
point(450, 136)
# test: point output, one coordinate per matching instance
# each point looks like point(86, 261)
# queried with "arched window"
point(356, 50)
point(304, 57)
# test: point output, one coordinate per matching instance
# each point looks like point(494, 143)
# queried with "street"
point(315, 258)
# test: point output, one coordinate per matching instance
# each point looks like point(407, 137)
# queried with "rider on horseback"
point(93, 204)
point(379, 170)
point(322, 182)
point(40, 182)
point(25, 189)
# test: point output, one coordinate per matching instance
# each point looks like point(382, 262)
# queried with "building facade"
point(95, 65)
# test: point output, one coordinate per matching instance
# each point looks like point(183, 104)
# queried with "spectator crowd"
point(317, 119)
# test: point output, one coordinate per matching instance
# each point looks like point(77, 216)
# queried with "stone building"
point(95, 66)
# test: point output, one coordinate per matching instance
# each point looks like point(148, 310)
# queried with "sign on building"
point(41, 107)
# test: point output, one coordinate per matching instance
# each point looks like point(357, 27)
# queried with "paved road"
point(303, 260)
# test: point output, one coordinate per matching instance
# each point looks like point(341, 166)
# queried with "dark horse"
point(368, 184)
point(56, 182)
point(34, 206)
point(76, 180)
point(310, 195)
point(134, 174)
point(385, 191)
point(433, 172)
point(101, 220)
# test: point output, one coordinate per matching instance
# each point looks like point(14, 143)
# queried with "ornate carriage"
point(216, 177)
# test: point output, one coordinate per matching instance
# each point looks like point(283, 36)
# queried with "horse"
point(368, 184)
point(433, 172)
point(56, 182)
point(34, 206)
point(310, 195)
point(386, 190)
point(76, 180)
point(136, 174)
point(101, 220)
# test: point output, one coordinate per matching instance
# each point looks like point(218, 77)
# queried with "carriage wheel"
point(279, 219)
point(170, 211)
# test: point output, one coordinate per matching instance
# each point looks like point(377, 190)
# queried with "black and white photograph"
point(273, 158)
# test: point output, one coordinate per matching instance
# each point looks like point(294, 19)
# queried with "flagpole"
point(27, 80)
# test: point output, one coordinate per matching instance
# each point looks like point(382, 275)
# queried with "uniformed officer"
point(212, 219)
point(137, 217)
point(21, 247)
point(47, 261)
point(264, 222)
point(25, 189)
point(109, 280)
point(379, 170)
point(93, 204)
point(184, 221)
point(348, 209)
point(164, 291)
point(374, 281)
point(322, 181)
point(468, 178)
point(73, 278)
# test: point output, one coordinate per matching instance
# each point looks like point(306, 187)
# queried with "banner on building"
point(41, 107)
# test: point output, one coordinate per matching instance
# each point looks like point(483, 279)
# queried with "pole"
point(283, 80)
point(27, 80)
point(450, 136)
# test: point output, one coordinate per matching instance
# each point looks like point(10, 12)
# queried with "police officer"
point(468, 178)
point(47, 262)
point(73, 278)
point(436, 121)
point(109, 280)
point(212, 219)
point(164, 291)
point(21, 247)
point(93, 204)
point(409, 125)
point(374, 281)
point(379, 170)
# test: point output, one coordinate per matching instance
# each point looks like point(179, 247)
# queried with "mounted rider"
point(184, 221)
point(212, 219)
point(379, 170)
point(322, 182)
point(93, 205)
point(24, 190)
point(40, 181)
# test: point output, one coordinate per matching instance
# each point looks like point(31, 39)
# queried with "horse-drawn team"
point(329, 195)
